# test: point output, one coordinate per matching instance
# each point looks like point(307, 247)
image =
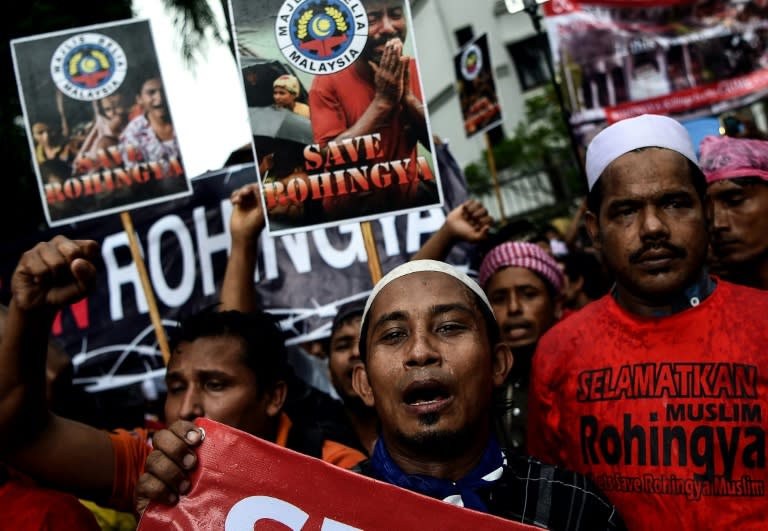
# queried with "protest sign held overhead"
point(339, 124)
point(480, 105)
point(98, 122)
point(685, 58)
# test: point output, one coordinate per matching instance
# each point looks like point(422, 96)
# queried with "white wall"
point(434, 24)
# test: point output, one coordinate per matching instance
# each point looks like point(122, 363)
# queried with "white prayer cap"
point(416, 266)
point(647, 130)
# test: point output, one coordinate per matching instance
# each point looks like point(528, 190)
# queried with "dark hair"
point(587, 266)
point(595, 195)
point(346, 312)
point(263, 341)
point(491, 325)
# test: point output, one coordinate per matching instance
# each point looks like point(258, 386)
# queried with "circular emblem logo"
point(471, 62)
point(88, 66)
point(321, 36)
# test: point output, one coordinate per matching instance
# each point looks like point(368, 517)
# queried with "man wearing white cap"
point(431, 358)
point(658, 390)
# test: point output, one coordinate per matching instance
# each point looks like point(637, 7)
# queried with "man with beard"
point(431, 358)
point(523, 283)
point(737, 201)
point(656, 390)
point(380, 93)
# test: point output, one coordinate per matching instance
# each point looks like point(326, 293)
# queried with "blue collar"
point(691, 296)
point(461, 492)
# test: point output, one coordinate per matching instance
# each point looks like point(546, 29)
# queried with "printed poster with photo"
point(685, 58)
point(98, 122)
point(336, 106)
point(479, 101)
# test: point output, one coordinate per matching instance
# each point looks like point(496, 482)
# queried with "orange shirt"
point(131, 448)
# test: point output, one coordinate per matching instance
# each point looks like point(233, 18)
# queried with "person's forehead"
point(422, 288)
point(381, 6)
point(730, 186)
point(220, 353)
point(349, 325)
point(725, 185)
point(642, 170)
point(151, 84)
point(513, 276)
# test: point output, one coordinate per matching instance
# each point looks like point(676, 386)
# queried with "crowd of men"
point(534, 391)
point(642, 409)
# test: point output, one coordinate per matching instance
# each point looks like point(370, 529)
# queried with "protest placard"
point(479, 101)
point(337, 112)
point(243, 482)
point(685, 58)
point(99, 126)
point(301, 278)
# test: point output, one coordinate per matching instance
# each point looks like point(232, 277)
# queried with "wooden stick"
point(162, 341)
point(374, 264)
point(492, 167)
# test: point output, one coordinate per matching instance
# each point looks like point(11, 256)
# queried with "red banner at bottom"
point(246, 483)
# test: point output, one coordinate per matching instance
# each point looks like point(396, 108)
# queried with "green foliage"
point(540, 142)
point(195, 21)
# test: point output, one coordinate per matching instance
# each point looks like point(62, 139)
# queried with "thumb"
point(140, 503)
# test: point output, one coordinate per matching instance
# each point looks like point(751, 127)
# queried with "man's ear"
point(277, 398)
point(361, 385)
point(593, 228)
point(502, 363)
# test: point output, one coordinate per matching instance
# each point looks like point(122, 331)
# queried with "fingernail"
point(188, 461)
point(192, 436)
point(184, 486)
point(172, 498)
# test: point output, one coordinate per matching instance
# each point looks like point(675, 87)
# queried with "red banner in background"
point(687, 58)
point(243, 482)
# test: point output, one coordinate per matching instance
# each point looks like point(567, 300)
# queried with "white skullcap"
point(416, 266)
point(647, 130)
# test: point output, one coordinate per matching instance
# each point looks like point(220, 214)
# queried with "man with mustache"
point(657, 391)
point(524, 285)
point(380, 93)
point(737, 203)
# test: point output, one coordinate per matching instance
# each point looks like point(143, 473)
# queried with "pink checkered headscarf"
point(726, 157)
point(525, 255)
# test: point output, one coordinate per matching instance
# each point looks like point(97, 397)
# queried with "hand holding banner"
point(242, 481)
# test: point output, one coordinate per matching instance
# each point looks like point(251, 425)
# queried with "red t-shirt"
point(337, 101)
point(26, 507)
point(667, 415)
